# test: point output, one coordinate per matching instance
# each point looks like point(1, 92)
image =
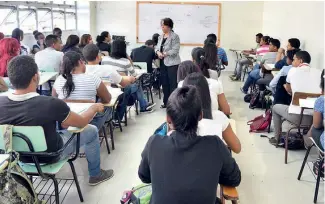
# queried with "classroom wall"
point(303, 20)
point(240, 21)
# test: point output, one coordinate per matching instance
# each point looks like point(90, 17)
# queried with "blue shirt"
point(319, 107)
point(281, 63)
point(283, 72)
point(222, 55)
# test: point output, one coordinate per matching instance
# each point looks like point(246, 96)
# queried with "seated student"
point(210, 58)
point(92, 54)
point(267, 58)
point(185, 162)
point(72, 45)
point(104, 42)
point(293, 44)
point(9, 48)
point(218, 117)
point(244, 61)
point(58, 32)
point(118, 61)
point(40, 43)
point(76, 86)
point(85, 40)
point(264, 46)
point(222, 55)
point(18, 34)
point(145, 53)
point(22, 108)
point(155, 38)
point(219, 101)
point(301, 72)
point(284, 71)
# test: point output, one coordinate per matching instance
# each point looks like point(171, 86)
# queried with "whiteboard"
point(192, 21)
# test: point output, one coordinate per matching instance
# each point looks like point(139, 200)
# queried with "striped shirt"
point(121, 65)
point(85, 87)
point(262, 50)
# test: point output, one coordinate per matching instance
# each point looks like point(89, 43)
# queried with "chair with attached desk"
point(295, 101)
point(30, 142)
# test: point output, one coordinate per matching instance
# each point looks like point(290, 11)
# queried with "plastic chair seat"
point(47, 169)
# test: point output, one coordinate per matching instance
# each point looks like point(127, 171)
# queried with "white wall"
point(240, 21)
point(303, 20)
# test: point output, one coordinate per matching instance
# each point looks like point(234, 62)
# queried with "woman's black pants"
point(168, 79)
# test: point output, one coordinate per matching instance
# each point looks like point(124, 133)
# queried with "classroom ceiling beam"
point(35, 4)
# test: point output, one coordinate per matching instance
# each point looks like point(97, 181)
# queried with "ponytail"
point(70, 62)
point(211, 56)
point(198, 55)
point(101, 38)
point(204, 66)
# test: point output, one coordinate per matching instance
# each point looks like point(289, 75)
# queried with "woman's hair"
point(84, 40)
point(184, 107)
point(17, 34)
point(291, 53)
point(72, 41)
point(101, 38)
point(211, 56)
point(185, 68)
point(200, 82)
point(118, 49)
point(294, 42)
point(70, 62)
point(9, 48)
point(267, 39)
point(2, 36)
point(198, 54)
point(322, 81)
point(168, 22)
point(36, 34)
point(155, 38)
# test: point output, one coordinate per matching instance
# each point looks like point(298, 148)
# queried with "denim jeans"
point(239, 67)
point(100, 118)
point(253, 76)
point(90, 140)
point(140, 96)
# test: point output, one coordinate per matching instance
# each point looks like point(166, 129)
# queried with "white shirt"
point(216, 88)
point(213, 74)
point(303, 79)
point(86, 86)
point(106, 72)
point(49, 60)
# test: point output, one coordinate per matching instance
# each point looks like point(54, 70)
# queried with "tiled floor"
point(265, 177)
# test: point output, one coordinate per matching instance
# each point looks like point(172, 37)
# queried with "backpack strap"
point(7, 137)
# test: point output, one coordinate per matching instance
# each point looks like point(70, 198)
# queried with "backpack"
point(140, 194)
point(15, 186)
point(295, 141)
point(260, 123)
point(255, 99)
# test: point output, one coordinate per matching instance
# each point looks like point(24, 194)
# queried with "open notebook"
point(79, 107)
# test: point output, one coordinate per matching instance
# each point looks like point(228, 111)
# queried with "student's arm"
point(144, 169)
point(130, 68)
point(127, 80)
point(317, 115)
point(103, 93)
point(231, 139)
point(3, 85)
point(223, 104)
point(280, 55)
point(287, 86)
point(116, 78)
point(230, 174)
point(54, 93)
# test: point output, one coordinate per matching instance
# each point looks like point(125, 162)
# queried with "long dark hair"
point(72, 41)
point(101, 38)
point(200, 82)
point(85, 38)
point(185, 68)
point(155, 38)
point(198, 55)
point(118, 49)
point(70, 62)
point(17, 34)
point(211, 55)
point(267, 39)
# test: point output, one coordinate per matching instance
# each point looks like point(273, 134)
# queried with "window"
point(27, 21)
point(44, 20)
point(58, 20)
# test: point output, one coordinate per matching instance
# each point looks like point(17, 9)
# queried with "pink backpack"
point(261, 123)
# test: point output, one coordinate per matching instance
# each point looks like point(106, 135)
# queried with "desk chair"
point(321, 152)
point(30, 143)
point(299, 126)
point(228, 193)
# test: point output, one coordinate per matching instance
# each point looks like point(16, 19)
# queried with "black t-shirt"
point(144, 54)
point(37, 111)
point(104, 47)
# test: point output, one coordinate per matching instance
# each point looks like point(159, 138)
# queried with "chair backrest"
point(143, 65)
point(34, 133)
point(301, 95)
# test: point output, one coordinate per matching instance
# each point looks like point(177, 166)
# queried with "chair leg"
point(56, 190)
point(147, 95)
point(76, 181)
point(304, 162)
point(105, 138)
point(286, 148)
point(137, 107)
point(119, 123)
point(318, 180)
point(111, 130)
point(126, 117)
point(151, 95)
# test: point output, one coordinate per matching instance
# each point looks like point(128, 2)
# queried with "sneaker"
point(273, 141)
point(148, 110)
point(151, 105)
point(231, 76)
point(104, 176)
point(234, 78)
point(163, 106)
point(242, 90)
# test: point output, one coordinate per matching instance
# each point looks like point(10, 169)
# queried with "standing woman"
point(19, 35)
point(168, 52)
